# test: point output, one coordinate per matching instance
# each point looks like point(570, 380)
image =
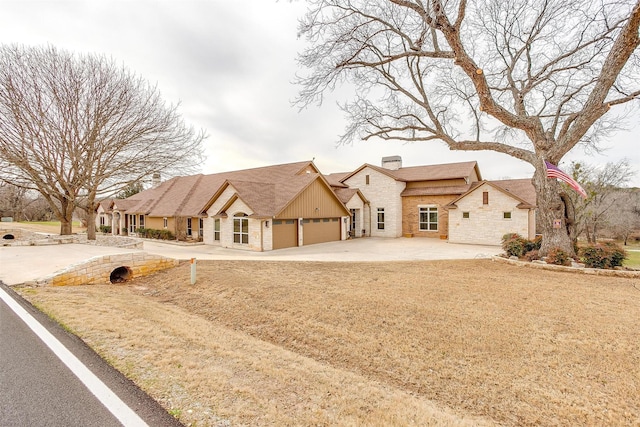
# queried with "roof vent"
point(392, 162)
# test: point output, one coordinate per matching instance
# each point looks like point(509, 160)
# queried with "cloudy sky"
point(230, 65)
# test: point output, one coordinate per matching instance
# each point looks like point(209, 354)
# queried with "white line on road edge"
point(108, 398)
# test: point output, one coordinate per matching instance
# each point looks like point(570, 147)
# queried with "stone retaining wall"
point(582, 270)
point(97, 270)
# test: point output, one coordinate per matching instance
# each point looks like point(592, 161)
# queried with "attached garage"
point(320, 230)
point(285, 233)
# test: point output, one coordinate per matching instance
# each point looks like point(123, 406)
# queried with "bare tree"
point(81, 127)
point(528, 79)
point(624, 219)
point(605, 196)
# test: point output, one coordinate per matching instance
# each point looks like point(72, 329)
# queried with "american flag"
point(554, 172)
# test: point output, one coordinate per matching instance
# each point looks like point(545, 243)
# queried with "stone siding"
point(97, 270)
point(382, 192)
point(486, 224)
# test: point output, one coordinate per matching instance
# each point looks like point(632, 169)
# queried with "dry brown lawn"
point(398, 343)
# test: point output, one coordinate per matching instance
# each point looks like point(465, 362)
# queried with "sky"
point(231, 65)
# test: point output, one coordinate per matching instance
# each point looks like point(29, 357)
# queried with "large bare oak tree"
point(80, 127)
point(531, 79)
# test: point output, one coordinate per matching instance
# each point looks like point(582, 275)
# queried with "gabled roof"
point(266, 190)
point(268, 199)
point(425, 173)
point(335, 179)
point(346, 194)
point(521, 190)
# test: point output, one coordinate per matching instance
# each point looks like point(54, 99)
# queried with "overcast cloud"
point(230, 65)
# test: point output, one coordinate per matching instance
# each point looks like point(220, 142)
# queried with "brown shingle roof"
point(436, 191)
point(267, 190)
point(426, 173)
point(521, 188)
point(335, 179)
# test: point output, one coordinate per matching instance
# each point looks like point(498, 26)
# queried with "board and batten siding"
point(315, 201)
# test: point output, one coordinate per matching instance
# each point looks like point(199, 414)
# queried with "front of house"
point(411, 201)
point(293, 204)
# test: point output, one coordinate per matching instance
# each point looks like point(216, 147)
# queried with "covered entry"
point(320, 230)
point(285, 233)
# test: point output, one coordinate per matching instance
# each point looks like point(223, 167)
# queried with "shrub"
point(105, 229)
point(514, 244)
point(535, 244)
point(603, 255)
point(558, 257)
point(532, 255)
point(150, 233)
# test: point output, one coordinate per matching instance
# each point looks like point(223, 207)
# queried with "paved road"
point(38, 388)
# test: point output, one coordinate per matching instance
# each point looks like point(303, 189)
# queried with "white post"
point(193, 271)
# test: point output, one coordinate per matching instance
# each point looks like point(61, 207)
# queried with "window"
point(240, 228)
point(132, 223)
point(428, 218)
point(216, 229)
point(101, 219)
point(506, 215)
point(200, 227)
point(189, 228)
point(141, 221)
point(165, 223)
point(485, 197)
point(380, 218)
point(366, 179)
point(465, 215)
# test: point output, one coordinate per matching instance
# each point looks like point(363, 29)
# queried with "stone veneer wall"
point(97, 270)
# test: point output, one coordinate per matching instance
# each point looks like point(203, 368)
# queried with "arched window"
point(240, 228)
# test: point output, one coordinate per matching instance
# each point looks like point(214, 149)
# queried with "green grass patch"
point(633, 259)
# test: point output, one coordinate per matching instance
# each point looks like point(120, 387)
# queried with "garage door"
point(285, 233)
point(320, 230)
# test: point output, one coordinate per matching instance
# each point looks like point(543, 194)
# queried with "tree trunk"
point(91, 216)
point(552, 215)
point(91, 222)
point(66, 219)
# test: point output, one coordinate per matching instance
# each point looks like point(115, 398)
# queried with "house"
point(259, 209)
point(293, 204)
point(410, 201)
point(491, 209)
point(275, 207)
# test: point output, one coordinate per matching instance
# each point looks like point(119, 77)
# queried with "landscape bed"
point(396, 343)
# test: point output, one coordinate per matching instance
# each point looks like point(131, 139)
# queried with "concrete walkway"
point(19, 264)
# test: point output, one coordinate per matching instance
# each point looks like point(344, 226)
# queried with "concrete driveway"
point(20, 264)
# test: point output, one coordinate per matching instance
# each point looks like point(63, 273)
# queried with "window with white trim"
point(189, 227)
point(380, 219)
point(165, 222)
point(216, 229)
point(132, 223)
point(428, 218)
point(141, 221)
point(200, 227)
point(241, 228)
